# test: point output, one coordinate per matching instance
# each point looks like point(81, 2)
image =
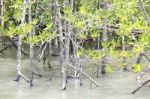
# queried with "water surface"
point(117, 85)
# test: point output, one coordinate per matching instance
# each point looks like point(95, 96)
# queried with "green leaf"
point(137, 68)
point(109, 68)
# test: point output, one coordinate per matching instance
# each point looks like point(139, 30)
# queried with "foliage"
point(123, 17)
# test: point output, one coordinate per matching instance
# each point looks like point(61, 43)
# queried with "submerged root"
point(20, 75)
point(52, 75)
point(82, 72)
point(146, 82)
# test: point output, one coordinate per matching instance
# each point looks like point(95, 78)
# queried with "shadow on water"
point(117, 85)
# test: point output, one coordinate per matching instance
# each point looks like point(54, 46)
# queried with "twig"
point(90, 78)
point(144, 11)
point(5, 48)
point(15, 45)
point(146, 57)
point(133, 92)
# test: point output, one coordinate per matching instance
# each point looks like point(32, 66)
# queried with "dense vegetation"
point(77, 29)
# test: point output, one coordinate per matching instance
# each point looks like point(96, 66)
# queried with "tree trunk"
point(2, 15)
point(19, 74)
point(37, 9)
point(139, 58)
point(144, 11)
point(32, 69)
point(31, 46)
point(124, 49)
point(49, 59)
point(104, 39)
point(15, 45)
point(62, 63)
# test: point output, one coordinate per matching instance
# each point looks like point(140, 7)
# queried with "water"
point(117, 85)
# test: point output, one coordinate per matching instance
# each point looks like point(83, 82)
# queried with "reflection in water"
point(64, 95)
point(117, 85)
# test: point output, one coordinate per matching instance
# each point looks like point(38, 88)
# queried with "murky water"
point(117, 85)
